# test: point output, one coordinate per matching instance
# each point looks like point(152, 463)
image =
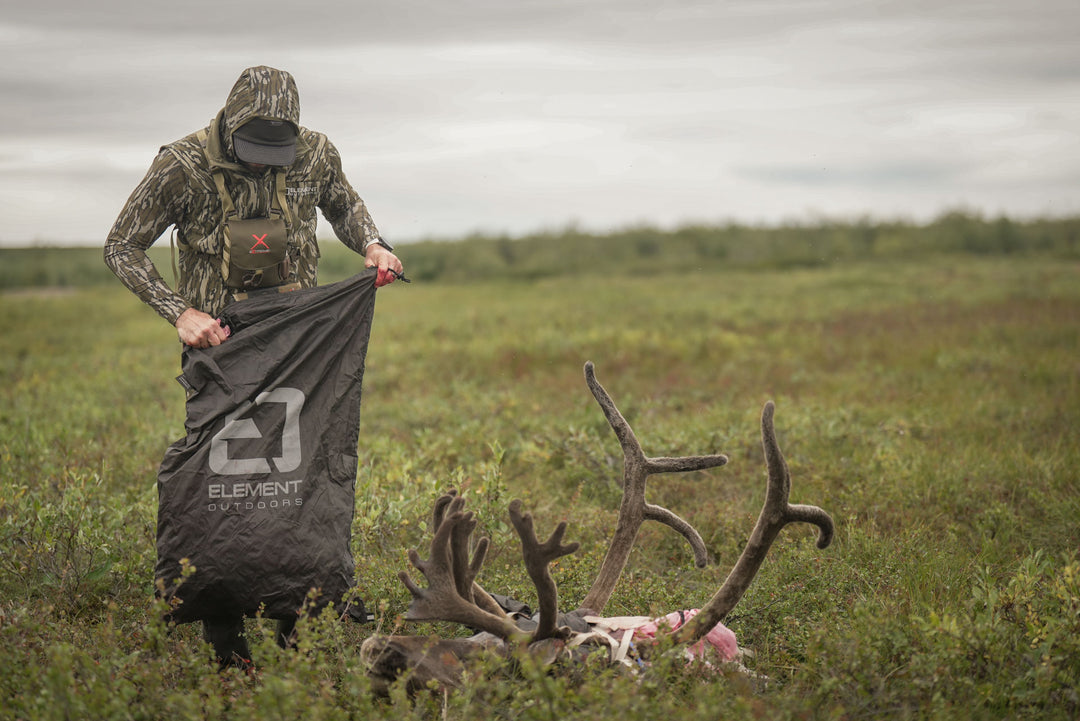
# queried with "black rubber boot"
point(285, 637)
point(230, 646)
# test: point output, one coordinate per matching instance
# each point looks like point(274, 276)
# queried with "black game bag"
point(258, 497)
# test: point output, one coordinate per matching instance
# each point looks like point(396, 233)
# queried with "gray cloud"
point(427, 21)
point(513, 116)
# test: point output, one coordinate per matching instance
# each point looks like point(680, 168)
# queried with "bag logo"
point(238, 425)
point(260, 244)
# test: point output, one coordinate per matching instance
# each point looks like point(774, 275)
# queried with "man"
point(253, 146)
point(242, 196)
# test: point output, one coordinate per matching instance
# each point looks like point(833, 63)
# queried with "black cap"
point(266, 142)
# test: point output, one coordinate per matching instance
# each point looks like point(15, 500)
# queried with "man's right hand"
point(199, 330)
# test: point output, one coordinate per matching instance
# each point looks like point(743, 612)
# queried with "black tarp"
point(259, 494)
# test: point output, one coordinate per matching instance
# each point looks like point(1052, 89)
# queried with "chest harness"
point(255, 250)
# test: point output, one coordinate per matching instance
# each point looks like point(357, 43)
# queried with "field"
point(929, 401)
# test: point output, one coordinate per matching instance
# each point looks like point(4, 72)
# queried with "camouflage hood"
point(259, 92)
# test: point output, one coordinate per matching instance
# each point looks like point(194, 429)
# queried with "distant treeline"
point(634, 250)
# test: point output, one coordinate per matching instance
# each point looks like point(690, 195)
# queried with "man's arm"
point(352, 224)
point(153, 207)
point(147, 213)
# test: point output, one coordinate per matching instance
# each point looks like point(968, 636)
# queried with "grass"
point(930, 404)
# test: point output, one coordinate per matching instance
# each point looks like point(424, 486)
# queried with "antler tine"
point(465, 573)
point(443, 599)
point(775, 514)
point(677, 523)
point(448, 502)
point(780, 483)
point(629, 442)
point(633, 511)
point(538, 557)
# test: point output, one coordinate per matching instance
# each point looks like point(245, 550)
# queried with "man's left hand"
point(381, 258)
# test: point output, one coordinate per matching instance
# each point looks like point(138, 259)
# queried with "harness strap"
point(228, 211)
point(278, 203)
point(172, 256)
point(287, 288)
point(279, 195)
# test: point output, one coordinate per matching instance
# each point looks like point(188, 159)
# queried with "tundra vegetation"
point(926, 382)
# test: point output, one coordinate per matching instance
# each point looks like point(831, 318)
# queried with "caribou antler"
point(634, 510)
point(775, 514)
point(537, 557)
point(464, 572)
point(450, 594)
point(453, 594)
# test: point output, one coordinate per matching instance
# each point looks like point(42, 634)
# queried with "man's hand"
point(381, 258)
point(199, 330)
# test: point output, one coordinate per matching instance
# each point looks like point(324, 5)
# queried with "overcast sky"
point(455, 116)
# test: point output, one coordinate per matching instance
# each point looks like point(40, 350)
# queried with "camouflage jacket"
point(179, 191)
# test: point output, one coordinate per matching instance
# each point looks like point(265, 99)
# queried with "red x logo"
point(260, 241)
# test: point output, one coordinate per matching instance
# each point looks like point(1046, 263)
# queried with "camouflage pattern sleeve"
point(343, 207)
point(151, 209)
